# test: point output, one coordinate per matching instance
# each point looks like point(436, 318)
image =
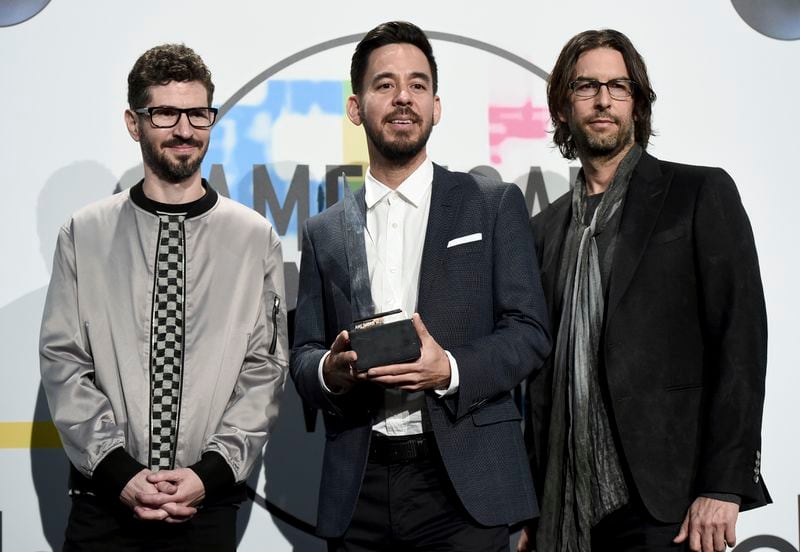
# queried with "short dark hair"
point(558, 90)
point(163, 64)
point(392, 32)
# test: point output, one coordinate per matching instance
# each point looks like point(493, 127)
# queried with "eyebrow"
point(414, 75)
point(581, 77)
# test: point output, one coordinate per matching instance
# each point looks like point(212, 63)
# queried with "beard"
point(173, 171)
point(403, 148)
point(602, 145)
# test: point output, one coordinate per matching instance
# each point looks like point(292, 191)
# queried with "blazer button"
point(755, 478)
point(758, 454)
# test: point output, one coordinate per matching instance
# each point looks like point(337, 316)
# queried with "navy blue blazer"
point(684, 347)
point(483, 302)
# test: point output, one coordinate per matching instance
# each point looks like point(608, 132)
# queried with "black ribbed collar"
point(191, 209)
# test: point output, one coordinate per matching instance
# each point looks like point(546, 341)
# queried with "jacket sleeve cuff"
point(726, 497)
point(215, 473)
point(114, 471)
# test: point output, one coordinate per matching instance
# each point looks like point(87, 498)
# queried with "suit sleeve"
point(253, 406)
point(735, 337)
point(519, 343)
point(81, 412)
point(310, 342)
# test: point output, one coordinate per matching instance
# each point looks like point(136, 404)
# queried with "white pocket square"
point(465, 239)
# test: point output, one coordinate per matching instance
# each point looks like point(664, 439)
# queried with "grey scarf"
point(584, 480)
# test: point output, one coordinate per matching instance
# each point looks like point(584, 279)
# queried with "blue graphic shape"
point(778, 19)
point(243, 137)
point(13, 12)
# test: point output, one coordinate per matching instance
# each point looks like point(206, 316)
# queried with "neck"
point(599, 171)
point(393, 174)
point(171, 193)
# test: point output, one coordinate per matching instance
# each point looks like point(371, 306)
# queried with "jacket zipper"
point(276, 306)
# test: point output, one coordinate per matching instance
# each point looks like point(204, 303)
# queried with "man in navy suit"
point(645, 423)
point(428, 454)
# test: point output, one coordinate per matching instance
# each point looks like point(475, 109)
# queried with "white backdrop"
point(726, 97)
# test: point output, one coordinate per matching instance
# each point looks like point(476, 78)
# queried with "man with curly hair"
point(163, 342)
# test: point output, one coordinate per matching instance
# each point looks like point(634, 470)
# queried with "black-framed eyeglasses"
point(168, 117)
point(619, 89)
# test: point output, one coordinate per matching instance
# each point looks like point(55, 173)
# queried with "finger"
point(419, 325)
point(697, 538)
point(730, 534)
point(718, 541)
point(177, 510)
point(707, 540)
point(166, 487)
point(341, 343)
point(395, 381)
point(684, 531)
point(149, 514)
point(393, 370)
point(154, 500)
point(522, 543)
point(177, 520)
point(163, 475)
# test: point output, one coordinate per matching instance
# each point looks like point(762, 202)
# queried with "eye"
point(586, 86)
point(619, 85)
point(165, 112)
point(199, 114)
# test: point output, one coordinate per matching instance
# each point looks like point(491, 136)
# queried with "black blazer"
point(684, 348)
point(483, 302)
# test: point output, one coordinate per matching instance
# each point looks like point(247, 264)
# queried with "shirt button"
point(393, 270)
point(394, 225)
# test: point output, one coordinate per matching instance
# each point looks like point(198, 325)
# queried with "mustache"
point(602, 115)
point(177, 141)
point(404, 112)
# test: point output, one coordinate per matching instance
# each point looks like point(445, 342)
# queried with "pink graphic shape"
point(526, 121)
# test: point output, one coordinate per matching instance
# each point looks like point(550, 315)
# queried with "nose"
point(603, 97)
point(183, 128)
point(402, 97)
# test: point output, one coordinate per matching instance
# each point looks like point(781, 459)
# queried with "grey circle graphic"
point(13, 12)
point(349, 39)
point(779, 19)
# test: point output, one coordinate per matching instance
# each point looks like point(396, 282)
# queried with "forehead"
point(179, 94)
point(601, 64)
point(397, 59)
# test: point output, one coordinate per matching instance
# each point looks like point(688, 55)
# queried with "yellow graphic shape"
point(23, 435)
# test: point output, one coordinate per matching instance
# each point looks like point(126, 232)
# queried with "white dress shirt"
point(394, 239)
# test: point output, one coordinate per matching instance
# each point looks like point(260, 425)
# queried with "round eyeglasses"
point(619, 89)
point(168, 117)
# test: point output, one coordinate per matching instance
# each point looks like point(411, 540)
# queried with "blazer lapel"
point(646, 193)
point(445, 201)
point(340, 241)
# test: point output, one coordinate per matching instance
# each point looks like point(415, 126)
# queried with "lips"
point(402, 118)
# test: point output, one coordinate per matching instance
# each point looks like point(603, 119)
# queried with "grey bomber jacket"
point(95, 337)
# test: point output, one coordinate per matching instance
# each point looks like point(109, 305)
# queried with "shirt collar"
point(412, 189)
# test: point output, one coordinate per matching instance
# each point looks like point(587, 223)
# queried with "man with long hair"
point(644, 427)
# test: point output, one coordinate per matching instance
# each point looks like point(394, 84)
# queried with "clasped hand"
point(166, 495)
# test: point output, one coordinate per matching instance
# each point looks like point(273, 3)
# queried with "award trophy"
point(382, 338)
